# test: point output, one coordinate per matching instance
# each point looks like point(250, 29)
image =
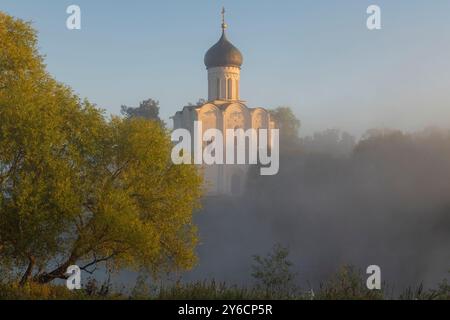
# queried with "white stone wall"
point(223, 115)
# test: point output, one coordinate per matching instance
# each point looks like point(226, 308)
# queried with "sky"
point(317, 57)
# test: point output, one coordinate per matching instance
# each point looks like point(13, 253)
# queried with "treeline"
point(382, 200)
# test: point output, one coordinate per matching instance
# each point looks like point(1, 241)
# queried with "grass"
point(347, 284)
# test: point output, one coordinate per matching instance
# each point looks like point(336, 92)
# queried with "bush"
point(347, 284)
point(273, 274)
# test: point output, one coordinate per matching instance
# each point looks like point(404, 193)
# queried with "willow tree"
point(76, 188)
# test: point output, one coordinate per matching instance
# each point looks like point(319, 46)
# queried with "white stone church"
point(223, 110)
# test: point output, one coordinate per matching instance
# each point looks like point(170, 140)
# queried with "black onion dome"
point(223, 54)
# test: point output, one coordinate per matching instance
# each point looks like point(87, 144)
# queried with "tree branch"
point(95, 262)
point(58, 273)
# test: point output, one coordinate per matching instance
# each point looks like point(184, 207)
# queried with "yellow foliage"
point(77, 187)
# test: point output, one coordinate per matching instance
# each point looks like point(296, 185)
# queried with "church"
point(223, 110)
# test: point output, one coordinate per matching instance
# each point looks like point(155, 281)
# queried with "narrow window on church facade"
point(230, 88)
point(237, 89)
point(218, 88)
point(209, 88)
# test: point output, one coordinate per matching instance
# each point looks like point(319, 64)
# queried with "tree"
point(274, 274)
point(288, 124)
point(148, 109)
point(331, 141)
point(76, 188)
point(199, 103)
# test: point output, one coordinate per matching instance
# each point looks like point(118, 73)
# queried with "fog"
point(382, 200)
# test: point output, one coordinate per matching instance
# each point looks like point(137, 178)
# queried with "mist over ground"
point(384, 200)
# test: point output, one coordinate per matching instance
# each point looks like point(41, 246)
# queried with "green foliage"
point(209, 291)
point(19, 58)
point(199, 103)
point(288, 124)
point(148, 109)
point(77, 188)
point(347, 284)
point(419, 293)
point(273, 273)
point(442, 292)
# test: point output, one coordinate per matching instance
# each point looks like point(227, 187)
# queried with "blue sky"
point(316, 56)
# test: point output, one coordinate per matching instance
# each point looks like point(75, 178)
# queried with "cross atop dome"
point(224, 25)
point(223, 53)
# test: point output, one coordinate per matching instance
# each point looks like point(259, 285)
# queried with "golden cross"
point(224, 25)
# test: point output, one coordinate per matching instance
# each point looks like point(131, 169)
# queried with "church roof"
point(220, 105)
point(223, 54)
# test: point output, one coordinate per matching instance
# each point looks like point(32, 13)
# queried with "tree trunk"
point(27, 275)
point(58, 273)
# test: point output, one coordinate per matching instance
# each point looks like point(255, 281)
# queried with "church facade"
point(223, 110)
